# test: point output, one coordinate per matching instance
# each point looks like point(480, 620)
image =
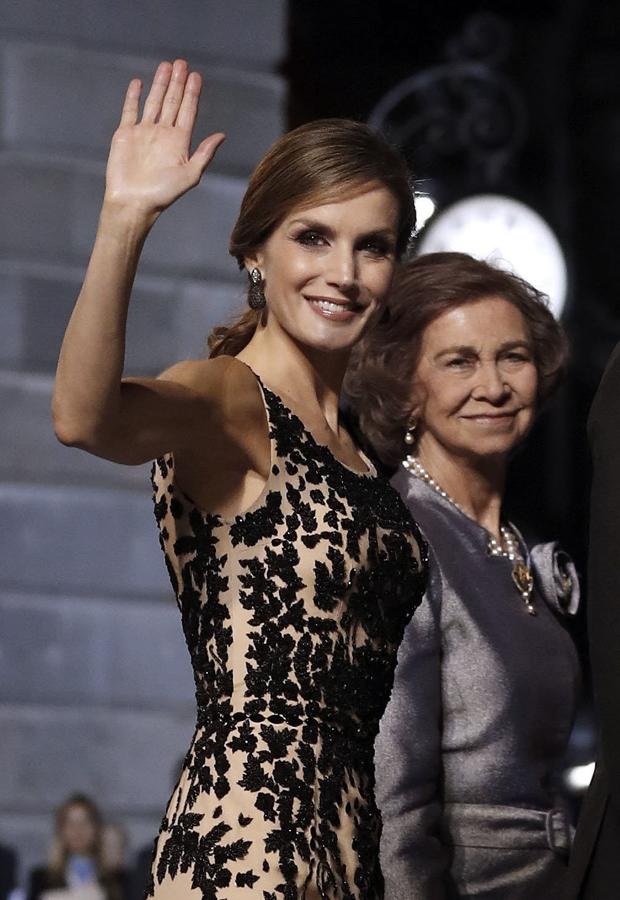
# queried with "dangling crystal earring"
point(412, 427)
point(256, 294)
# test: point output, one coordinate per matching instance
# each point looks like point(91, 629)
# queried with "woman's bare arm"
point(149, 167)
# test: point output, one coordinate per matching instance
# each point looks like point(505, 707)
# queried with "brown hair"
point(58, 852)
point(321, 161)
point(381, 373)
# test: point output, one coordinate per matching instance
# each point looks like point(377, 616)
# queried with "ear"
point(416, 400)
point(255, 261)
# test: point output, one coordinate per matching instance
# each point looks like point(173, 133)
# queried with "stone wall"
point(95, 684)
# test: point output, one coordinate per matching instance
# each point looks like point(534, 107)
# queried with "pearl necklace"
point(508, 548)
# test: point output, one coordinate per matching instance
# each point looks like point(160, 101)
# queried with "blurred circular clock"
point(505, 233)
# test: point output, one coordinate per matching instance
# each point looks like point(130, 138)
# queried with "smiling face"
point(476, 383)
point(327, 268)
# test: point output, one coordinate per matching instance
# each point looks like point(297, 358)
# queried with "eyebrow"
point(466, 350)
point(315, 225)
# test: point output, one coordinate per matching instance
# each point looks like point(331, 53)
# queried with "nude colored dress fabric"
point(293, 613)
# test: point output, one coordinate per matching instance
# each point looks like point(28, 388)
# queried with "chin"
point(331, 340)
point(331, 346)
point(492, 449)
point(327, 335)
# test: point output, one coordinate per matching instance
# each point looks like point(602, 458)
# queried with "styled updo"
point(320, 162)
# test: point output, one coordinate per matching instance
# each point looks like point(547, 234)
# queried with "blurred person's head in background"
point(114, 847)
point(77, 833)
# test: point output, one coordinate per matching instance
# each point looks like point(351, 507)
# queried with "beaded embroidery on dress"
point(292, 613)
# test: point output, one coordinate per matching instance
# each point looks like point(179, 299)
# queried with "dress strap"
point(286, 430)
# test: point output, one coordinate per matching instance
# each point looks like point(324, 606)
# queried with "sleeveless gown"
point(292, 612)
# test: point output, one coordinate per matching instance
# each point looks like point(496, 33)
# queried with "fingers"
point(161, 79)
point(174, 93)
point(189, 104)
point(129, 115)
point(173, 97)
point(205, 152)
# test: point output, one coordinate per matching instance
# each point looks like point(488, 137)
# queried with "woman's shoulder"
point(213, 377)
point(436, 518)
point(226, 384)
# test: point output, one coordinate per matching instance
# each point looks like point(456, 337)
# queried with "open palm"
point(150, 165)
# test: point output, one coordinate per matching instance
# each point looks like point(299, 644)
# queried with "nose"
point(491, 385)
point(342, 271)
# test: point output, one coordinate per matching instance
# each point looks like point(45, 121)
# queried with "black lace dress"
point(293, 613)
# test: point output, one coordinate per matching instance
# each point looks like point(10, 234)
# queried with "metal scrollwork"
point(462, 110)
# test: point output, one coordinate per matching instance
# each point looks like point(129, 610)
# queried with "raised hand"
point(150, 165)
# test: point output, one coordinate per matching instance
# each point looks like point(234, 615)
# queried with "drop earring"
point(256, 294)
point(410, 434)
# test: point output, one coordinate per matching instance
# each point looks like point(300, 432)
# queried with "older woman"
point(448, 384)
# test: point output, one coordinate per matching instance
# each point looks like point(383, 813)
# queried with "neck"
point(475, 484)
point(311, 379)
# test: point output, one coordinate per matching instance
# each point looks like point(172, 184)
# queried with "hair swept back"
point(382, 368)
point(321, 161)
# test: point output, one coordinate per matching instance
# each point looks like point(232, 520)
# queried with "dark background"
point(550, 136)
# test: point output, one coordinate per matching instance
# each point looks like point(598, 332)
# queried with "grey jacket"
point(481, 711)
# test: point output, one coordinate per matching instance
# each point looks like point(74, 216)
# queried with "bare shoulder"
point(228, 388)
point(207, 370)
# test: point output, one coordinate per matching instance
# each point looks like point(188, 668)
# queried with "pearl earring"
point(410, 435)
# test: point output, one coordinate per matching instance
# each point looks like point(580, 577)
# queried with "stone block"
point(11, 317)
point(171, 321)
point(219, 30)
point(169, 318)
point(36, 208)
point(50, 210)
point(68, 100)
point(93, 651)
point(205, 305)
point(30, 451)
point(123, 758)
point(80, 540)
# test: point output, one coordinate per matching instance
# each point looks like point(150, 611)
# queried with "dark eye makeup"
point(376, 244)
point(310, 237)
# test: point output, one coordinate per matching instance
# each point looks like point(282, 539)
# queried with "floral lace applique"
point(292, 614)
